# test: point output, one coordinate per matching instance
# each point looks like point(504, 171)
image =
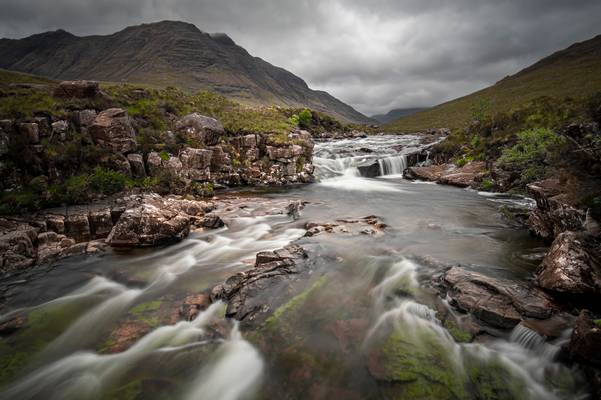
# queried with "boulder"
point(572, 265)
point(200, 129)
point(466, 176)
point(84, 118)
point(220, 160)
point(77, 225)
point(100, 222)
point(154, 163)
point(112, 129)
point(430, 173)
point(78, 89)
point(196, 163)
point(370, 171)
point(586, 339)
point(136, 162)
point(30, 131)
point(498, 302)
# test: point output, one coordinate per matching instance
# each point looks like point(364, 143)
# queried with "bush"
point(107, 182)
point(304, 118)
point(535, 150)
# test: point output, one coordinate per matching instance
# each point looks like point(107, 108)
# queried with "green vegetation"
point(534, 151)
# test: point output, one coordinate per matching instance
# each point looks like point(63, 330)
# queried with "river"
point(364, 327)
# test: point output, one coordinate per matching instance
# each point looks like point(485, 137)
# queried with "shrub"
point(463, 161)
point(304, 118)
point(164, 155)
point(106, 181)
point(534, 151)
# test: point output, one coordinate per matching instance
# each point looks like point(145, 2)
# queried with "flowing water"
point(366, 325)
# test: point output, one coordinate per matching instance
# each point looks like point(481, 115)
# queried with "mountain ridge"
point(168, 53)
point(574, 71)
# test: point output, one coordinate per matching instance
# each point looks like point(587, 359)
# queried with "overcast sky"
point(375, 55)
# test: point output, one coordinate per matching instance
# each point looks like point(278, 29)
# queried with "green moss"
point(147, 312)
point(598, 322)
point(460, 335)
point(130, 391)
point(294, 304)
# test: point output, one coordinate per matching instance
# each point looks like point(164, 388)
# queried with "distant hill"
point(168, 53)
point(573, 72)
point(395, 114)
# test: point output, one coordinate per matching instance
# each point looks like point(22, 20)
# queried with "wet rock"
point(12, 324)
point(370, 225)
point(200, 129)
point(572, 265)
point(370, 171)
point(550, 328)
point(212, 222)
point(586, 339)
point(194, 304)
point(254, 294)
point(112, 129)
point(466, 176)
point(498, 302)
point(431, 173)
point(78, 89)
point(136, 162)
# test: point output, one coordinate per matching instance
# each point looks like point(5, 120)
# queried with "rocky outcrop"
point(77, 89)
point(200, 129)
point(554, 212)
point(274, 273)
point(498, 302)
point(572, 265)
point(584, 349)
point(152, 220)
point(370, 225)
point(449, 174)
point(112, 130)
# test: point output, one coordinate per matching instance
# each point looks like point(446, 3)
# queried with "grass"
point(574, 73)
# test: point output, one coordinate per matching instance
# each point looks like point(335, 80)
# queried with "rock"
point(273, 274)
point(77, 89)
point(77, 226)
point(60, 128)
point(55, 223)
point(370, 225)
point(136, 162)
point(466, 176)
point(201, 129)
point(12, 324)
point(154, 163)
point(370, 171)
point(193, 304)
point(554, 213)
point(586, 339)
point(100, 222)
point(279, 153)
point(212, 222)
point(220, 160)
point(432, 173)
point(112, 129)
point(196, 163)
point(498, 302)
point(17, 249)
point(84, 118)
point(153, 221)
point(572, 265)
point(30, 131)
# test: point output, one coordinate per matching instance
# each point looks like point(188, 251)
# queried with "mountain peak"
point(168, 53)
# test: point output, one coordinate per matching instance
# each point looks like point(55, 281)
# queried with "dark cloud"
point(375, 55)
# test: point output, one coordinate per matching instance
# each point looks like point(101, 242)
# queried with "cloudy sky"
point(375, 55)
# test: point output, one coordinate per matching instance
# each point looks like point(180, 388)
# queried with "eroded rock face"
point(201, 129)
point(498, 302)
point(153, 220)
point(572, 265)
point(78, 89)
point(112, 129)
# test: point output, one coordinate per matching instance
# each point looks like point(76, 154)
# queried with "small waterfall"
point(526, 337)
point(393, 165)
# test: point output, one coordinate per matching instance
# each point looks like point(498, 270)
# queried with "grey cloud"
point(375, 55)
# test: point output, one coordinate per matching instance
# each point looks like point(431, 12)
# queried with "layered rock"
point(498, 302)
point(449, 174)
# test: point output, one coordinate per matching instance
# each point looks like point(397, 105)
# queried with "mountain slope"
point(395, 114)
point(573, 72)
point(168, 53)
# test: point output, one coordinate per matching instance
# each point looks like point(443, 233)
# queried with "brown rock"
point(100, 222)
point(572, 265)
point(78, 89)
point(77, 227)
point(112, 129)
point(586, 340)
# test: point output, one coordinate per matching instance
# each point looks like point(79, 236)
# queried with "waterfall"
point(526, 337)
point(393, 165)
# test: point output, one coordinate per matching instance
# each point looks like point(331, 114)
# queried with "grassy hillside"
point(574, 72)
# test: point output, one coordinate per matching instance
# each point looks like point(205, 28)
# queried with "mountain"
point(572, 72)
point(168, 53)
point(395, 114)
